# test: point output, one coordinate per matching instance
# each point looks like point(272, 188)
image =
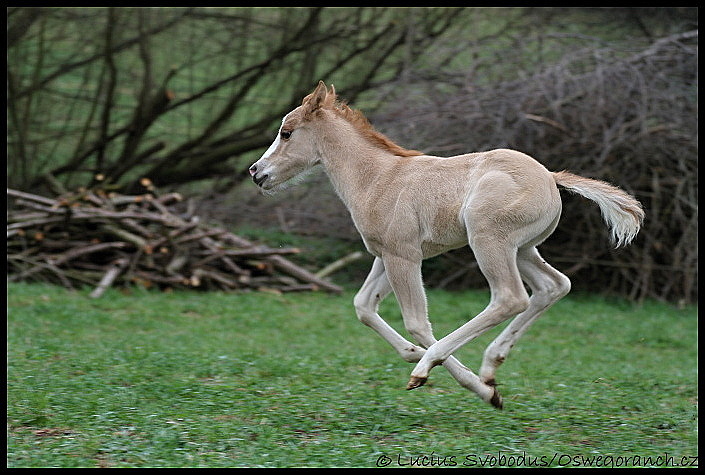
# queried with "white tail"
point(621, 211)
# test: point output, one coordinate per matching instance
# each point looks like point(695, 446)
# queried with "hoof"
point(496, 399)
point(415, 382)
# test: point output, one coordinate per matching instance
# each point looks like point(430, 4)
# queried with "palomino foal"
point(409, 206)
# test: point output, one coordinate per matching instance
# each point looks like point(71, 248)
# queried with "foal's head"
point(294, 149)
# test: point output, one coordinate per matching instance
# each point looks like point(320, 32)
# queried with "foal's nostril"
point(253, 170)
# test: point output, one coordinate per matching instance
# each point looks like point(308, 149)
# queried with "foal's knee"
point(364, 309)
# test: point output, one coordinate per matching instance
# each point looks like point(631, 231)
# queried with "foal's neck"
point(353, 164)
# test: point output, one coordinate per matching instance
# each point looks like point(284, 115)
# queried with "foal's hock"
point(409, 206)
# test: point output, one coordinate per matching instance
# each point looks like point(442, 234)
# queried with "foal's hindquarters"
point(511, 206)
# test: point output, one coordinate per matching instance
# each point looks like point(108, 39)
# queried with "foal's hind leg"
point(547, 287)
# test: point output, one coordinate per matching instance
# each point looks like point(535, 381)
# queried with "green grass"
point(145, 379)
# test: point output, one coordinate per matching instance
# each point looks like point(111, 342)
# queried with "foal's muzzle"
point(257, 179)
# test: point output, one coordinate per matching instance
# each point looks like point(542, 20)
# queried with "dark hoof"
point(496, 400)
point(415, 382)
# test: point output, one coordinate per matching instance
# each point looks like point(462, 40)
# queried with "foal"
point(409, 206)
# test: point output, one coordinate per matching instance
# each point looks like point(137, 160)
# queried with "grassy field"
point(146, 379)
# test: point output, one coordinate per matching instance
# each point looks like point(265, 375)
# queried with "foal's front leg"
point(372, 292)
point(405, 278)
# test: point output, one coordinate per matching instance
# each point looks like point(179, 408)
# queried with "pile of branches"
point(96, 238)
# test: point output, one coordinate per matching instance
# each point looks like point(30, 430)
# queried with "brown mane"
point(360, 122)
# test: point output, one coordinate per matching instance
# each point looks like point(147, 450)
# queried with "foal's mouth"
point(258, 179)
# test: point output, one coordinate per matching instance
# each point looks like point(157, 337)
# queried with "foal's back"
point(434, 203)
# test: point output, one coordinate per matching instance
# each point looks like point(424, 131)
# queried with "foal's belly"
point(430, 249)
point(444, 233)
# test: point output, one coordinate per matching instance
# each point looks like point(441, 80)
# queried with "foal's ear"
point(317, 99)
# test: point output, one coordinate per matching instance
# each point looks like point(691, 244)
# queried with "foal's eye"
point(285, 134)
